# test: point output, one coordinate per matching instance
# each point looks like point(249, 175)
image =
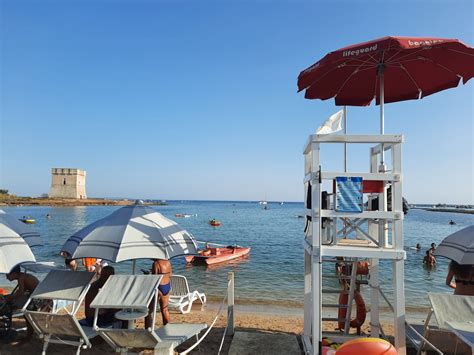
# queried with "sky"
point(198, 99)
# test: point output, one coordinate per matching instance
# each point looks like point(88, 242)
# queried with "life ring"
point(362, 268)
point(360, 314)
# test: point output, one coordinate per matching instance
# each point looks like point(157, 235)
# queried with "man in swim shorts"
point(161, 267)
point(26, 285)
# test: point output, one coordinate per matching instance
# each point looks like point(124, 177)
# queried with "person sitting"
point(26, 285)
point(429, 259)
point(463, 278)
point(106, 316)
point(71, 264)
point(161, 267)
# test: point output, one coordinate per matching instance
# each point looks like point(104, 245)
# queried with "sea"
point(273, 272)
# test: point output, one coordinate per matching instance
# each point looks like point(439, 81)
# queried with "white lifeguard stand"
point(378, 232)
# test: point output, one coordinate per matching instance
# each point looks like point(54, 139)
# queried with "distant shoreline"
point(64, 202)
point(450, 210)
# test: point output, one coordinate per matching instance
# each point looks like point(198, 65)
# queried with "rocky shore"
point(10, 200)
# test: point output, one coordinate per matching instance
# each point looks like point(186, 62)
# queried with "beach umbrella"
point(130, 233)
point(458, 246)
point(25, 231)
point(13, 249)
point(389, 69)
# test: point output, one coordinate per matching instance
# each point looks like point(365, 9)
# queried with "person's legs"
point(165, 314)
point(149, 317)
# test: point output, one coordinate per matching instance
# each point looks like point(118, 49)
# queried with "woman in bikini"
point(161, 267)
point(463, 278)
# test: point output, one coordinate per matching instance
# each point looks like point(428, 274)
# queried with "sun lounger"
point(66, 290)
point(137, 292)
point(447, 309)
point(181, 297)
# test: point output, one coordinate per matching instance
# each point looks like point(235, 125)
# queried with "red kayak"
point(212, 256)
point(215, 223)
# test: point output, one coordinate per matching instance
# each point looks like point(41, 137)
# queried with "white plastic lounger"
point(135, 293)
point(447, 309)
point(65, 287)
point(181, 297)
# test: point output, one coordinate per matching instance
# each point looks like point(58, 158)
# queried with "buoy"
point(326, 350)
point(362, 268)
point(360, 314)
point(366, 346)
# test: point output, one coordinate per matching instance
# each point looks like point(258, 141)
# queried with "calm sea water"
point(273, 272)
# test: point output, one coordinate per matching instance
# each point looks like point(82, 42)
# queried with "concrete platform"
point(246, 343)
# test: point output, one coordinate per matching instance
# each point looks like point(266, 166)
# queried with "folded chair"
point(447, 308)
point(66, 288)
point(135, 293)
point(181, 297)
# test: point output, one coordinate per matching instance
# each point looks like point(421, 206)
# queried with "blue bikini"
point(165, 289)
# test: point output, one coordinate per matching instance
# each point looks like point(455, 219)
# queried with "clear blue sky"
point(197, 99)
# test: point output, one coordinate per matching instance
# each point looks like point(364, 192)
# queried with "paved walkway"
point(246, 343)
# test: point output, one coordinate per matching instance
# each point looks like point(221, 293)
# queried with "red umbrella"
point(390, 69)
point(413, 68)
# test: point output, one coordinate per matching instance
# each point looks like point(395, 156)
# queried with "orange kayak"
point(212, 256)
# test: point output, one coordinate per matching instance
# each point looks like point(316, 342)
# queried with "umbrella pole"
point(382, 116)
point(345, 144)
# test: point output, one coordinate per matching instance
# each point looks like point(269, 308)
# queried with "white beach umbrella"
point(458, 246)
point(25, 231)
point(130, 233)
point(13, 250)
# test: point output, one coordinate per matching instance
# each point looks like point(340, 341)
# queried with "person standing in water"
point(161, 267)
point(429, 259)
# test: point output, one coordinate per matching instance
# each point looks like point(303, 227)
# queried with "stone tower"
point(68, 183)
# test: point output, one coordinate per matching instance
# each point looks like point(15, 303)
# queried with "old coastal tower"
point(68, 183)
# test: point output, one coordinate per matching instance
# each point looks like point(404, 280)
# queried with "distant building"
point(68, 183)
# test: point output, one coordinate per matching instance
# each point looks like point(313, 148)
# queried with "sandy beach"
point(268, 322)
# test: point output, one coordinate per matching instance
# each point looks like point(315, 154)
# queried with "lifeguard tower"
point(359, 218)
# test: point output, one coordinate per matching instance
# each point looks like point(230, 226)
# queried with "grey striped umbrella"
point(130, 233)
point(458, 246)
point(25, 231)
point(13, 249)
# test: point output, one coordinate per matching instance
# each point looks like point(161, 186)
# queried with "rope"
point(208, 329)
point(223, 336)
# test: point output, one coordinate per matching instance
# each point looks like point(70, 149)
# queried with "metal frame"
point(379, 243)
point(83, 341)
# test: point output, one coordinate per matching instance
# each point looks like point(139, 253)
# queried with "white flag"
point(332, 124)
